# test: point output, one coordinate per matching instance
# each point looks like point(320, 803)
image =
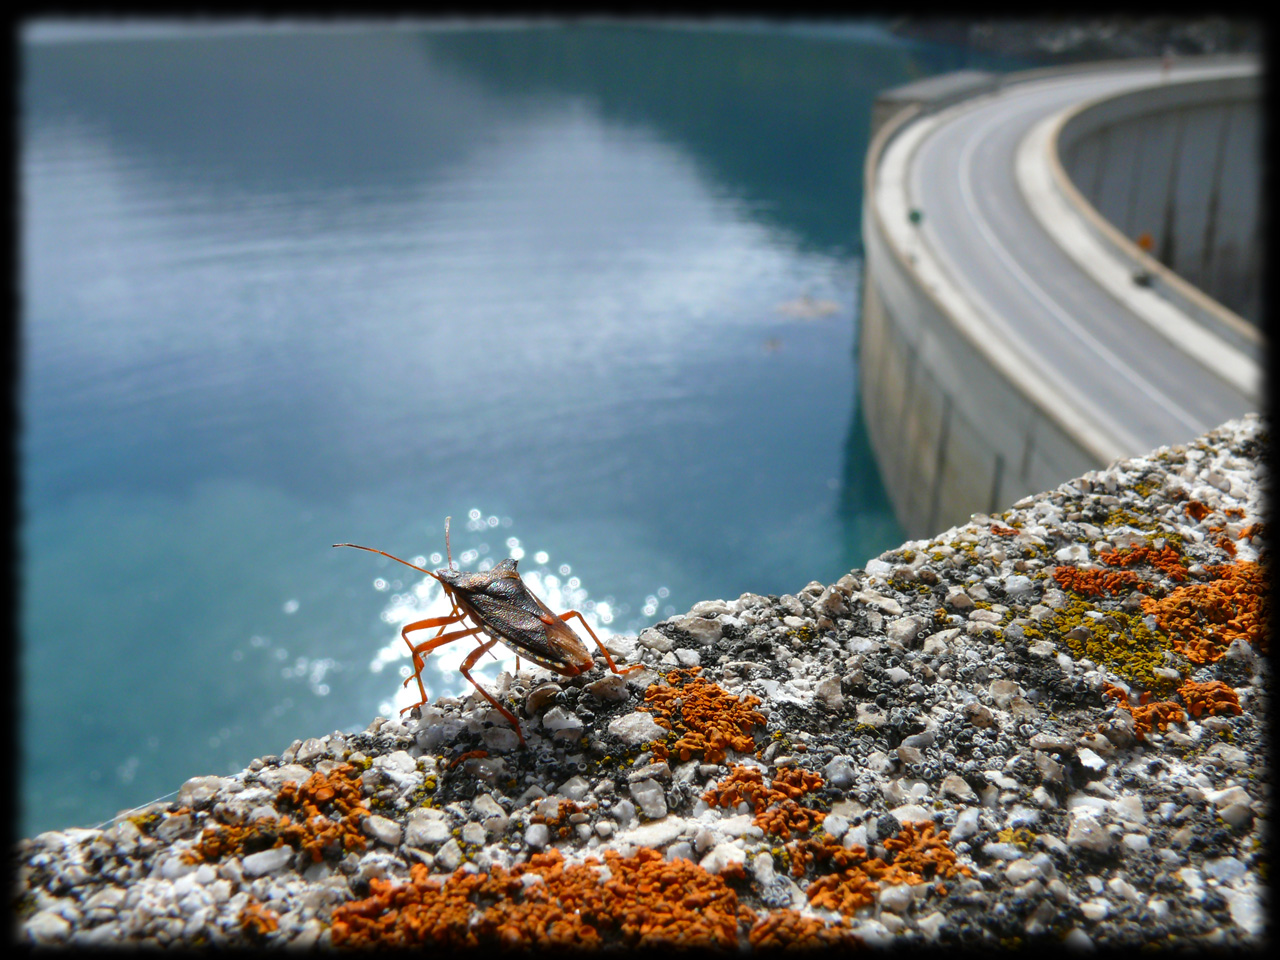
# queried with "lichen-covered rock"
point(1043, 727)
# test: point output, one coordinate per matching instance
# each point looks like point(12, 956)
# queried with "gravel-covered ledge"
point(1043, 726)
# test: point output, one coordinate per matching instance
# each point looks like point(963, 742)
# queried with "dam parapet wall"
point(1179, 166)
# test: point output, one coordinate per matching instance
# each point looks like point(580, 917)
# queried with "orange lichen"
point(257, 920)
point(1095, 583)
point(318, 833)
point(1213, 697)
point(822, 850)
point(709, 720)
point(1196, 510)
point(1146, 715)
point(1119, 694)
point(777, 811)
point(1235, 513)
point(637, 901)
point(338, 789)
point(794, 782)
point(922, 848)
point(918, 853)
point(743, 783)
point(1000, 531)
point(1166, 560)
point(1204, 619)
point(786, 818)
point(1158, 715)
point(790, 930)
point(1225, 543)
point(236, 839)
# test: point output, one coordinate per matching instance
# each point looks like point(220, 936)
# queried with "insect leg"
point(418, 662)
point(422, 649)
point(470, 662)
point(608, 659)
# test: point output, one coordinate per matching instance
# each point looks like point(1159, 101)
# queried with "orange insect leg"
point(470, 662)
point(418, 662)
point(422, 649)
point(608, 659)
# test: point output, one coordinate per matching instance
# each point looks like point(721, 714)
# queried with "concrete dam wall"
point(966, 408)
point(1181, 163)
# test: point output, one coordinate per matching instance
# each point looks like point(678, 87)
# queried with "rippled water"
point(588, 290)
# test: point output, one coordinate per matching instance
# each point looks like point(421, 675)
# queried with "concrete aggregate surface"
point(1044, 726)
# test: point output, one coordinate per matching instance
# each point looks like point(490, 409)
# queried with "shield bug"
point(503, 610)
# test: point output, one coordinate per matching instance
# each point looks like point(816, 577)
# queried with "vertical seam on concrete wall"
point(1099, 164)
point(909, 364)
point(1027, 444)
point(1167, 241)
point(940, 461)
point(1135, 182)
point(994, 499)
point(1215, 188)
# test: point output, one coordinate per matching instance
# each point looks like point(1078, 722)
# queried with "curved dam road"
point(1138, 388)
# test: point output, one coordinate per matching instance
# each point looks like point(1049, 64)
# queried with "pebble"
point(839, 773)
point(896, 898)
point(721, 857)
point(267, 861)
point(449, 856)
point(426, 832)
point(702, 630)
point(387, 832)
point(649, 797)
point(636, 728)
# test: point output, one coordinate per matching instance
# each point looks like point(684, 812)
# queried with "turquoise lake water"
point(589, 290)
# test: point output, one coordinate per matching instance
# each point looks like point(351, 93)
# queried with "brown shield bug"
point(502, 608)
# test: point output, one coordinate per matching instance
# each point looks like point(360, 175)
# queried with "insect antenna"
point(430, 573)
point(447, 549)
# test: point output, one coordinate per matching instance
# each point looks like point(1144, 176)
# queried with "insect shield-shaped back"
point(500, 600)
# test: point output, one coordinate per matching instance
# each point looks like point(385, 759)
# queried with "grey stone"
point(829, 694)
point(537, 835)
point(561, 722)
point(611, 687)
point(906, 630)
point(310, 749)
point(1089, 833)
point(636, 728)
point(839, 773)
point(575, 788)
point(201, 790)
point(46, 927)
point(896, 898)
point(655, 640)
point(649, 771)
point(423, 831)
point(1019, 587)
point(449, 857)
point(541, 697)
point(956, 786)
point(700, 629)
point(267, 861)
point(650, 798)
point(385, 831)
